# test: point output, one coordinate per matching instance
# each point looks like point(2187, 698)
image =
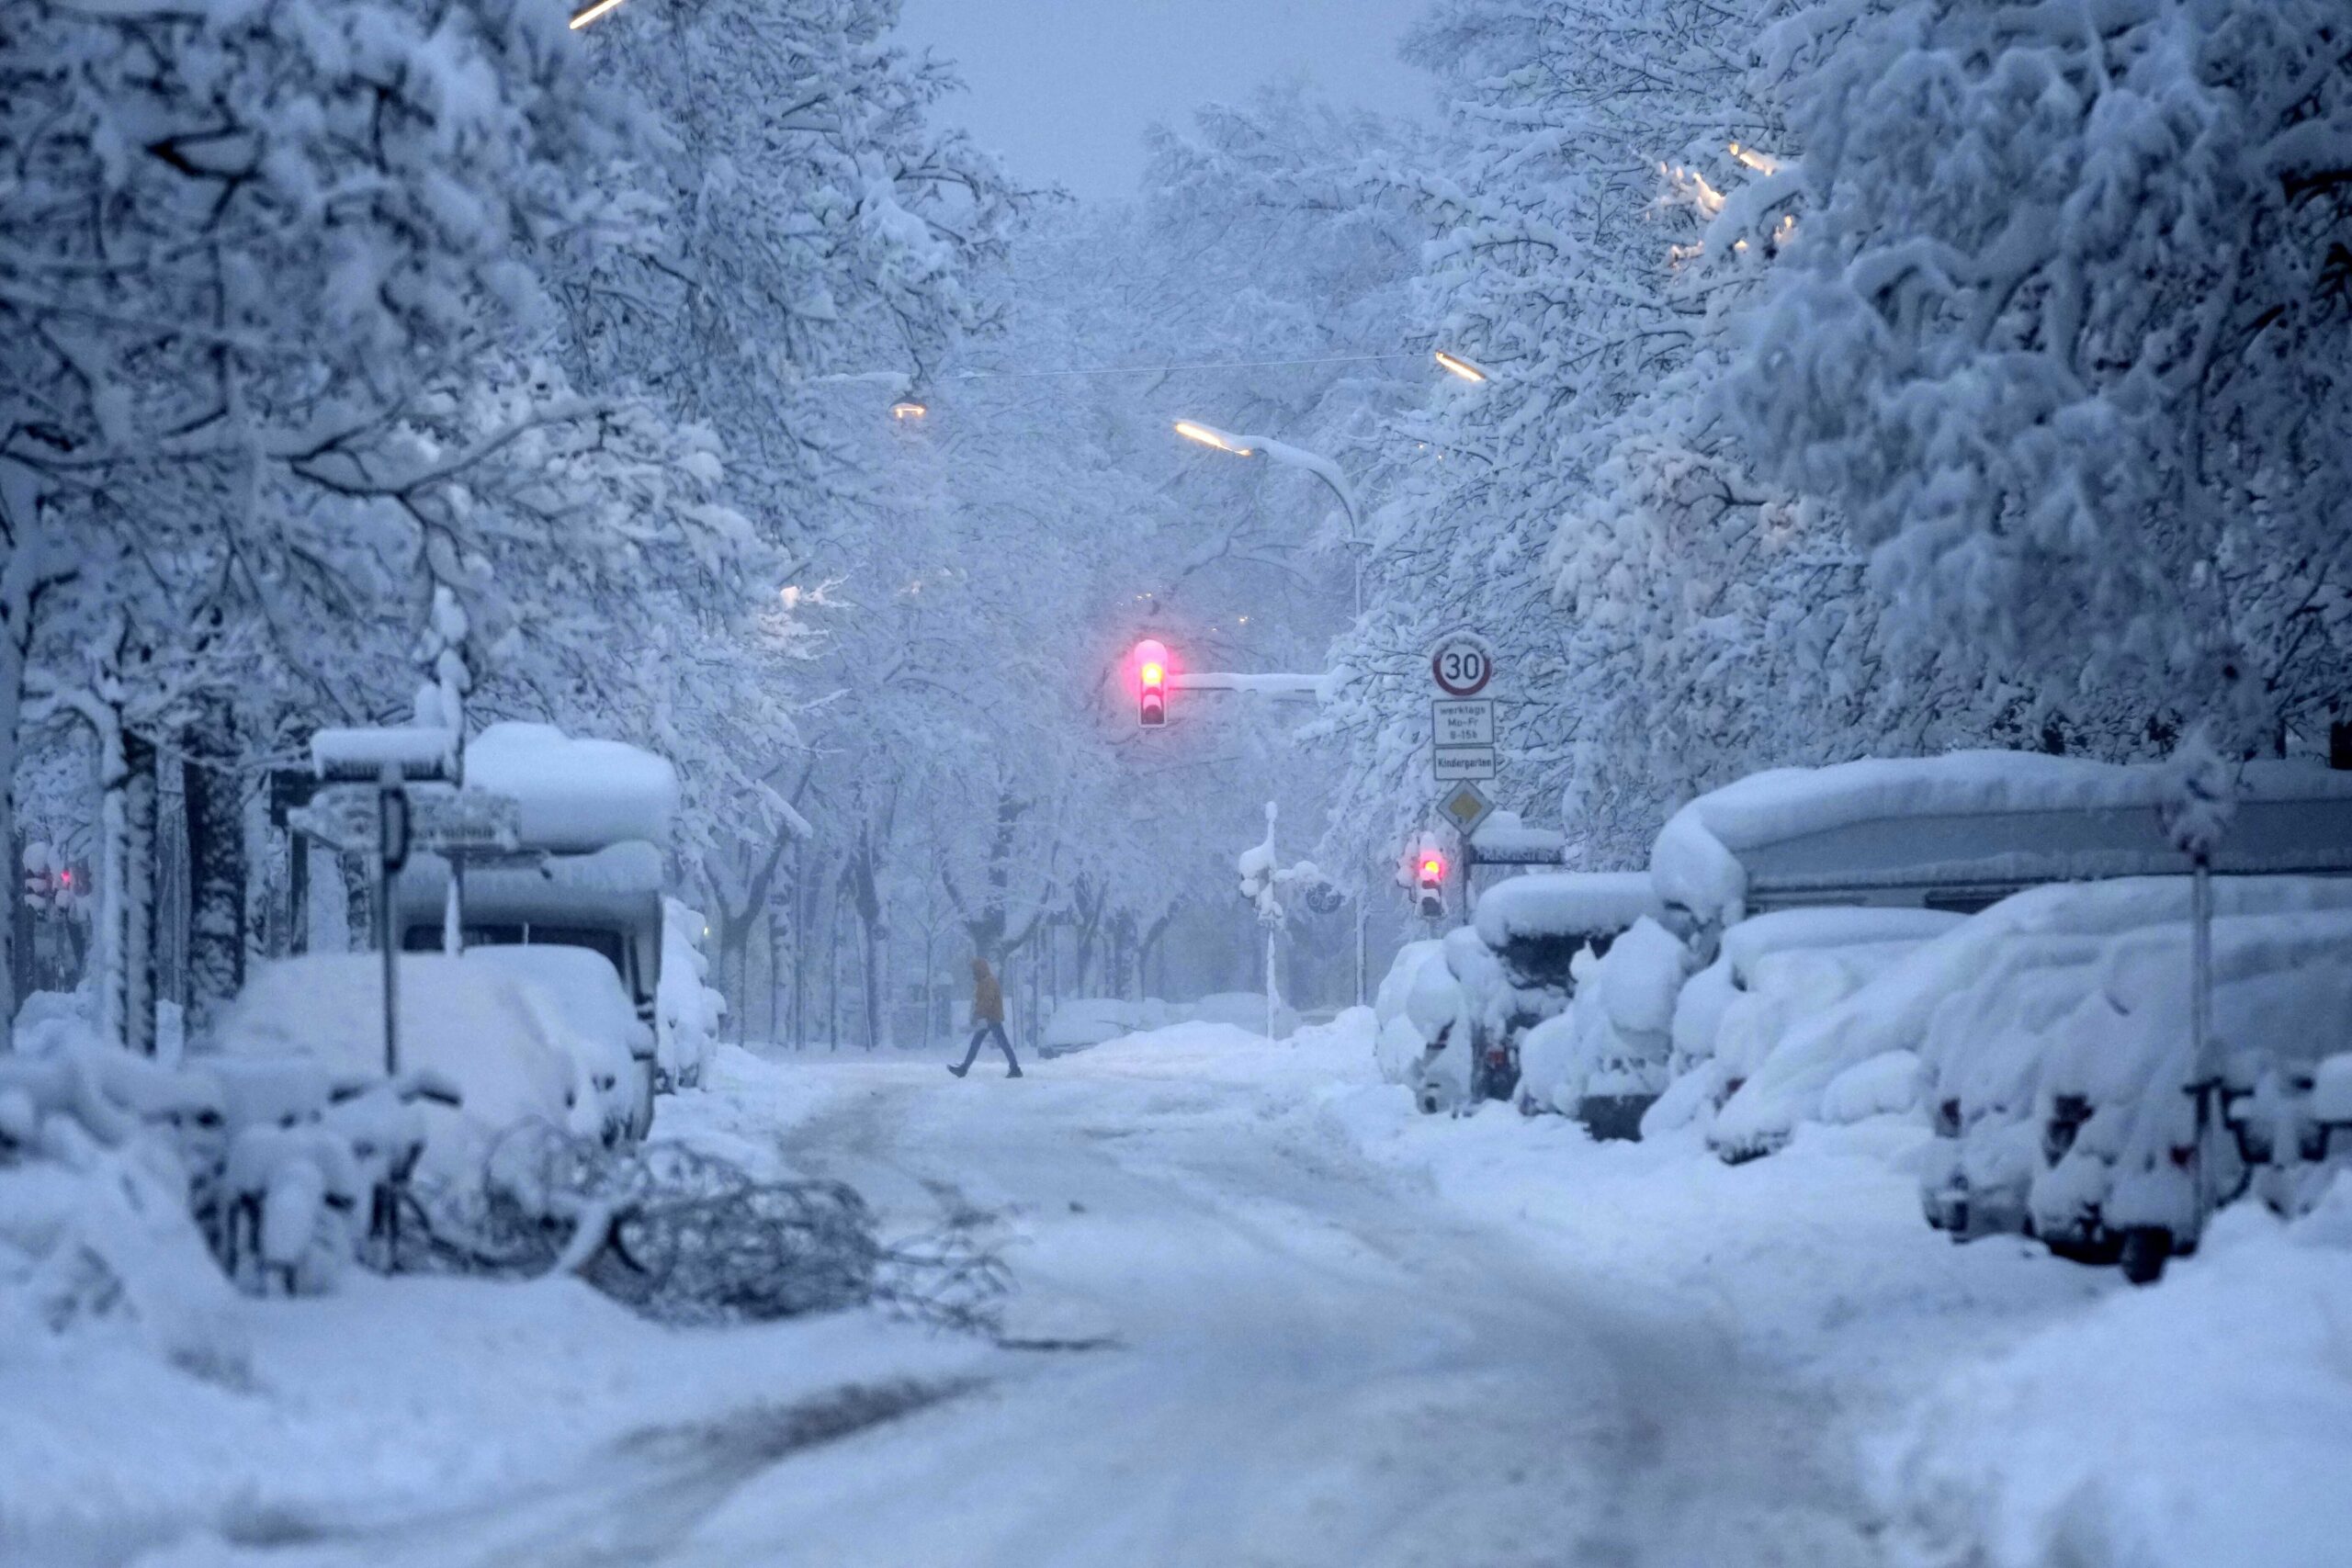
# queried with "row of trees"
point(1867, 378)
point(351, 347)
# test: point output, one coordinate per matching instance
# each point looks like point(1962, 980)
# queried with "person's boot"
point(958, 1068)
point(1014, 1071)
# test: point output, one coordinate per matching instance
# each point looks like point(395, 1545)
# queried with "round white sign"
point(1462, 665)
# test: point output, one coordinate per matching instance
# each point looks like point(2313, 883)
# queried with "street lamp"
point(1290, 457)
point(589, 13)
point(1454, 365)
point(1323, 469)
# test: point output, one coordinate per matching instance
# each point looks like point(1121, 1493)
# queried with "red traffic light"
point(1151, 684)
point(1433, 869)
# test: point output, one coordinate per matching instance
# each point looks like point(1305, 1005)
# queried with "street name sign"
point(1464, 723)
point(1466, 805)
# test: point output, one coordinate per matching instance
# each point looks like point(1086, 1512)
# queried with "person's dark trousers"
point(992, 1026)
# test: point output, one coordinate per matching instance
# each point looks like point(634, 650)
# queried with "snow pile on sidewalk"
point(2206, 1421)
point(97, 1233)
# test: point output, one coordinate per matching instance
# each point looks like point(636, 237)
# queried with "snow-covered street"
point(1265, 1314)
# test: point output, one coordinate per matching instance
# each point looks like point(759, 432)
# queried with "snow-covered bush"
point(687, 1011)
point(96, 1228)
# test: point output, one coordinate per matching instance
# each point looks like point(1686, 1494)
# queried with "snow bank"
point(2205, 1421)
point(576, 794)
point(1982, 817)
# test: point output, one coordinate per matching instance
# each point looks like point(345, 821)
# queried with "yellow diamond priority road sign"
point(1466, 805)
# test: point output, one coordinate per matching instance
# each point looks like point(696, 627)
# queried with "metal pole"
point(387, 805)
point(2204, 1070)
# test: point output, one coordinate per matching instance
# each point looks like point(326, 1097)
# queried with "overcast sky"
point(1064, 88)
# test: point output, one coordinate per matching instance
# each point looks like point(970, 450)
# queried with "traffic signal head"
point(1428, 877)
point(1151, 685)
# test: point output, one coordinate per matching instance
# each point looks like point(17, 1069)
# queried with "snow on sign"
point(1461, 664)
point(1466, 805)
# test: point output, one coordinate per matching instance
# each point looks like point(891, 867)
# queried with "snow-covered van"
point(1963, 831)
point(587, 873)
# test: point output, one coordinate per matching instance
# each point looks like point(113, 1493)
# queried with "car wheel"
point(2146, 1249)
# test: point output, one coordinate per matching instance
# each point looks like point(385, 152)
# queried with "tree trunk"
point(216, 851)
point(138, 923)
point(114, 878)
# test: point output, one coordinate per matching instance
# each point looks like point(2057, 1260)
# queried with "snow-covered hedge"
point(97, 1231)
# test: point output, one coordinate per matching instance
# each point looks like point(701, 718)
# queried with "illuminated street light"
point(907, 407)
point(1209, 435)
point(1453, 364)
point(1323, 469)
point(588, 13)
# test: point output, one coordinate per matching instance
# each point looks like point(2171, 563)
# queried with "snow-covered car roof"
point(1997, 820)
point(1564, 903)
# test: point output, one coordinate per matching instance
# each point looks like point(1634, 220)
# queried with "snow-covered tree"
point(271, 346)
point(2065, 333)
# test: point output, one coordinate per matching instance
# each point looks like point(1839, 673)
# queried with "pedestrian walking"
point(988, 1017)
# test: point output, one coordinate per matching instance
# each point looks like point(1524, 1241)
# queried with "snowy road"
point(1317, 1362)
point(1298, 1358)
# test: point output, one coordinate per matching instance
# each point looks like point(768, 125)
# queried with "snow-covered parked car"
point(1397, 1042)
point(2113, 1106)
point(1083, 1023)
point(1518, 964)
point(1770, 972)
point(479, 1028)
point(1605, 1058)
point(596, 1024)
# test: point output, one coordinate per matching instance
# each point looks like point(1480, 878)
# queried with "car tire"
point(2145, 1251)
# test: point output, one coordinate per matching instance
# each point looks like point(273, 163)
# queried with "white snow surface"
point(1298, 1290)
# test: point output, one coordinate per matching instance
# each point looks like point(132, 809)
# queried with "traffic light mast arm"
point(1316, 686)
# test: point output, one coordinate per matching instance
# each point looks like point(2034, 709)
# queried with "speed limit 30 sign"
point(1461, 664)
